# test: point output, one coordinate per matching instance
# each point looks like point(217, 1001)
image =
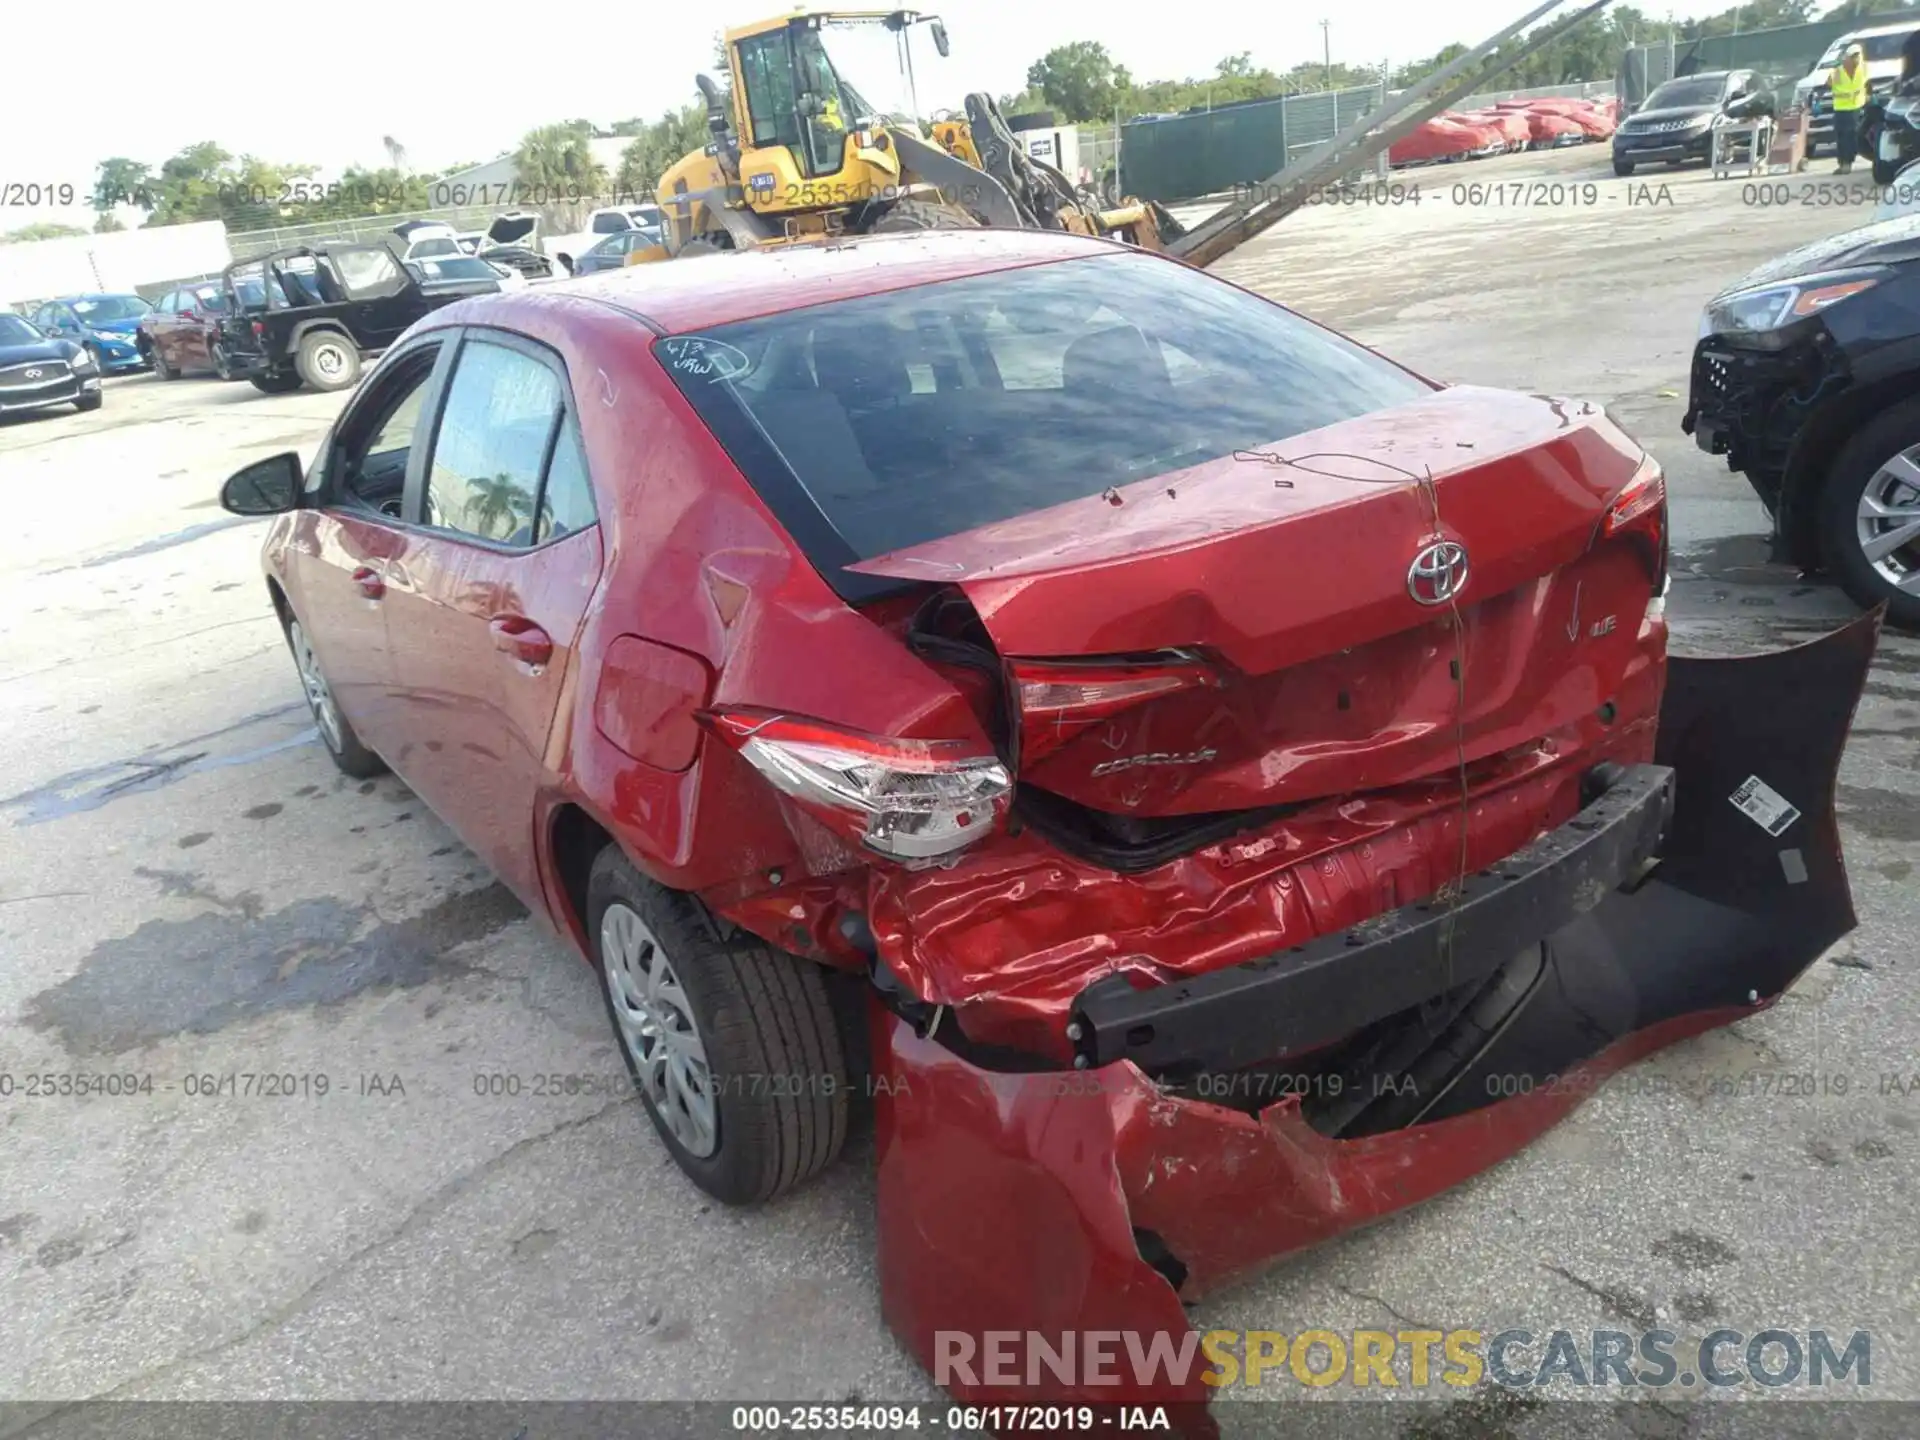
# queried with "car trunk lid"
point(1245, 634)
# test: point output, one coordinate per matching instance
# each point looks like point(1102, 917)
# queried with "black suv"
point(1806, 377)
point(310, 315)
point(1676, 122)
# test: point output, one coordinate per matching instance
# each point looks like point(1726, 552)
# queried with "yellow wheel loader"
point(818, 133)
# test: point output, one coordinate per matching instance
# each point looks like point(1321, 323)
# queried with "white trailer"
point(120, 261)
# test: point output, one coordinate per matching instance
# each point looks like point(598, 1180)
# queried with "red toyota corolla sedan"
point(1206, 784)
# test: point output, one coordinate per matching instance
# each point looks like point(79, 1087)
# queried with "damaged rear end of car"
point(1282, 803)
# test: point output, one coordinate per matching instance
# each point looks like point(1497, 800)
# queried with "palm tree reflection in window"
point(498, 507)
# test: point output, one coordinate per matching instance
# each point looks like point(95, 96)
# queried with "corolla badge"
point(1438, 573)
point(1159, 757)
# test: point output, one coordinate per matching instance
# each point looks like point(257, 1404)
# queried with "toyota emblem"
point(33, 374)
point(1438, 573)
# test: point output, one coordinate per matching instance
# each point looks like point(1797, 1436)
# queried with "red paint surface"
point(1009, 1202)
point(1340, 699)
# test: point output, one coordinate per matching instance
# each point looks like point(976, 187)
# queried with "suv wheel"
point(732, 1044)
point(1870, 514)
point(222, 362)
point(1623, 167)
point(328, 360)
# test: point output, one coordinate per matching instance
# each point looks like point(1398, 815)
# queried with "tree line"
point(1081, 83)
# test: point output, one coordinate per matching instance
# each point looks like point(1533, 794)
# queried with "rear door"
point(346, 545)
point(385, 299)
point(503, 554)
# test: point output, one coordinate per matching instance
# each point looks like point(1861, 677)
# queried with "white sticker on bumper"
point(1764, 805)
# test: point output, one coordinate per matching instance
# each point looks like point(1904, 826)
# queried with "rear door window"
point(507, 464)
point(874, 424)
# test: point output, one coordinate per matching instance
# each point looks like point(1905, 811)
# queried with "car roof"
point(694, 294)
point(1873, 30)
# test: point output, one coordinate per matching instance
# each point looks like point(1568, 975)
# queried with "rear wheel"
point(732, 1044)
point(327, 360)
point(696, 247)
point(222, 362)
point(89, 402)
point(161, 367)
point(923, 215)
point(1870, 514)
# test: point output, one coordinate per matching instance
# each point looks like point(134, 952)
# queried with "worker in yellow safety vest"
point(1849, 82)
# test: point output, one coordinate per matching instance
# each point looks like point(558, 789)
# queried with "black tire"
point(222, 362)
point(282, 384)
point(342, 744)
point(327, 360)
point(162, 368)
point(908, 215)
point(1623, 167)
point(89, 402)
point(699, 245)
point(1890, 433)
point(777, 1070)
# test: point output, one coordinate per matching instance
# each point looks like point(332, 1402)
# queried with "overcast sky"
point(127, 77)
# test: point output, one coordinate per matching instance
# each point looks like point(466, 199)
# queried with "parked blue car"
point(105, 324)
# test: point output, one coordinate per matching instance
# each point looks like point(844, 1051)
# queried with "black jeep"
point(310, 315)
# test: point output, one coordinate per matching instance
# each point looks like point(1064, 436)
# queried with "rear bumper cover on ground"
point(1098, 1199)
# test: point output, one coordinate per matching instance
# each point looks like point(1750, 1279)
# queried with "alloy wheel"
point(1889, 521)
point(330, 361)
point(319, 697)
point(657, 1026)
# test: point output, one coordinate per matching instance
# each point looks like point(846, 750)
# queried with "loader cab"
point(813, 94)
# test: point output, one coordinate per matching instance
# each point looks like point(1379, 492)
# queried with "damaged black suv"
point(1807, 378)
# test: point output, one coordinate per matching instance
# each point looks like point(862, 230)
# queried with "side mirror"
point(266, 487)
point(940, 38)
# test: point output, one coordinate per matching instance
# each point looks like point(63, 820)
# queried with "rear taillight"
point(907, 799)
point(1057, 699)
point(1639, 514)
point(259, 328)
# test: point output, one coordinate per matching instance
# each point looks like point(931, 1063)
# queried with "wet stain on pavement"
point(1879, 814)
point(1872, 1149)
point(158, 543)
point(1693, 1306)
point(1823, 1152)
point(198, 838)
point(57, 1252)
point(81, 790)
point(251, 1223)
point(535, 1242)
point(12, 1227)
point(1691, 1250)
point(198, 976)
point(264, 812)
point(178, 885)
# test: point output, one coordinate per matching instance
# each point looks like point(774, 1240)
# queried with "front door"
point(484, 605)
point(346, 545)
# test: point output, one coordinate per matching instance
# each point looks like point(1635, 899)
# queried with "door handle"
point(519, 637)
point(370, 583)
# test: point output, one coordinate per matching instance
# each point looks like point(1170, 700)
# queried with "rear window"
point(874, 424)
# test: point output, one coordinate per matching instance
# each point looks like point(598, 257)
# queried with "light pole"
point(1326, 55)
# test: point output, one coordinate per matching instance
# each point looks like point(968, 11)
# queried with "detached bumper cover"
point(1095, 1199)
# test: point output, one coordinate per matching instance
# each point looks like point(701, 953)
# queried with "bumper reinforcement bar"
point(1294, 1000)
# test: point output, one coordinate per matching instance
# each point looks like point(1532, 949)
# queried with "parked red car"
point(182, 333)
point(1215, 785)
